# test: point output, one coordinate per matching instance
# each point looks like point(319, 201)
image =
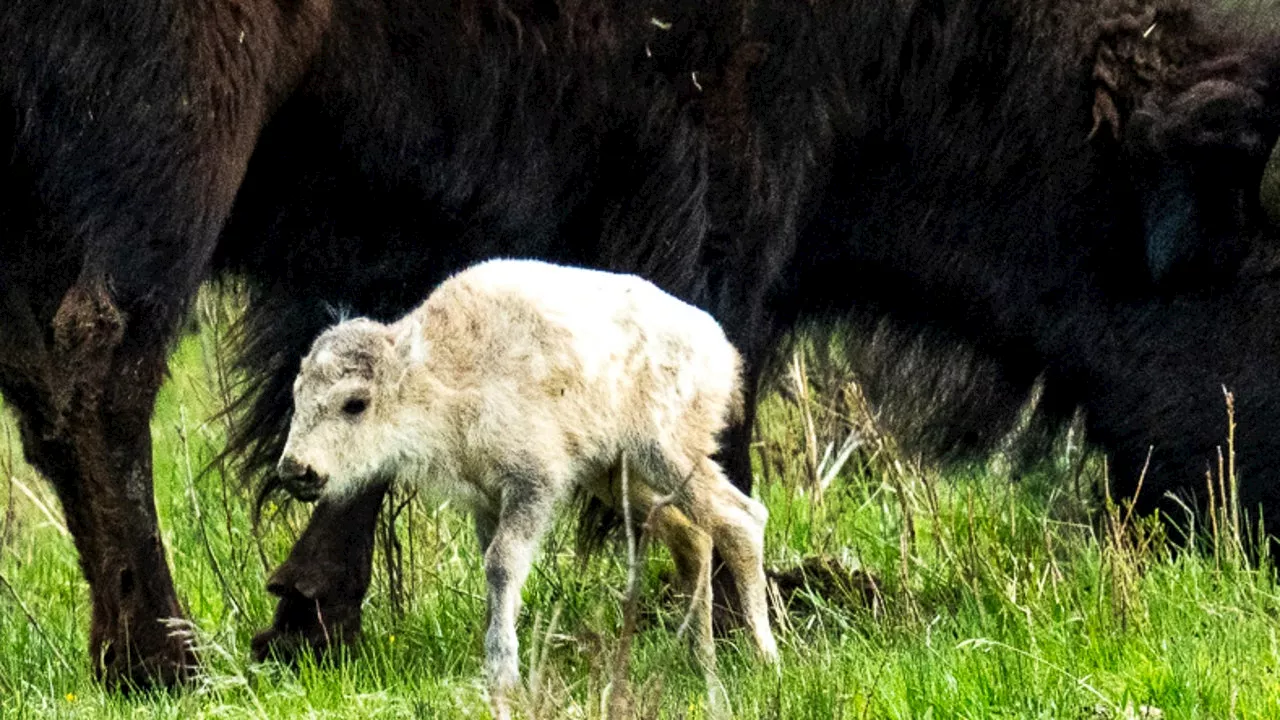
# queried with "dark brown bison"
point(1056, 189)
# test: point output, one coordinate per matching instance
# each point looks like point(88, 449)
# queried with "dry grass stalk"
point(1228, 534)
point(189, 474)
point(1124, 550)
point(800, 380)
point(7, 529)
point(1226, 529)
point(621, 701)
point(35, 625)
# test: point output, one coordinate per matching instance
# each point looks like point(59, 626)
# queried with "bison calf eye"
point(355, 406)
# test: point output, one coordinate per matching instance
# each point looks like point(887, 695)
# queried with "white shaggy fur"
point(513, 384)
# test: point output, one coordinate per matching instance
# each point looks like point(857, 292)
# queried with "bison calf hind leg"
point(690, 548)
point(736, 524)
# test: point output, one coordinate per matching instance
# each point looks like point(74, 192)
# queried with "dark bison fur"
point(989, 195)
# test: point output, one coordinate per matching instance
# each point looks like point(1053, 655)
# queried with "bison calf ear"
point(1199, 159)
point(406, 338)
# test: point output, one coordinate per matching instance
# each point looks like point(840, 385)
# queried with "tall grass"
point(967, 595)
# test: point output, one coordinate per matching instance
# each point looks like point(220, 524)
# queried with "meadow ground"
point(994, 598)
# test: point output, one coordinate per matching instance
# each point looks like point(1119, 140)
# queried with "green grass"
point(997, 599)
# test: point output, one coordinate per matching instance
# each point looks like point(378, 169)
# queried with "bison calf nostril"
point(300, 479)
point(290, 468)
point(312, 479)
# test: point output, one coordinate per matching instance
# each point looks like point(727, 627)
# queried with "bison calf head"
point(344, 433)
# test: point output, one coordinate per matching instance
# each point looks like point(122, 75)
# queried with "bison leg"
point(85, 413)
point(122, 167)
point(321, 585)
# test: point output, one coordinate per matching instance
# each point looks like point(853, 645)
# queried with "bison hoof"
point(306, 626)
point(163, 661)
point(286, 647)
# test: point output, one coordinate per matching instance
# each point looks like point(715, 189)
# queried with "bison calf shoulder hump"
point(519, 382)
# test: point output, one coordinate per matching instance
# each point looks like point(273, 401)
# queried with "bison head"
point(1201, 115)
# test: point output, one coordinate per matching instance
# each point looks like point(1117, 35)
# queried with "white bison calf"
point(516, 383)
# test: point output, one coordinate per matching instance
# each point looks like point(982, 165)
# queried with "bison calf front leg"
point(322, 584)
point(522, 521)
